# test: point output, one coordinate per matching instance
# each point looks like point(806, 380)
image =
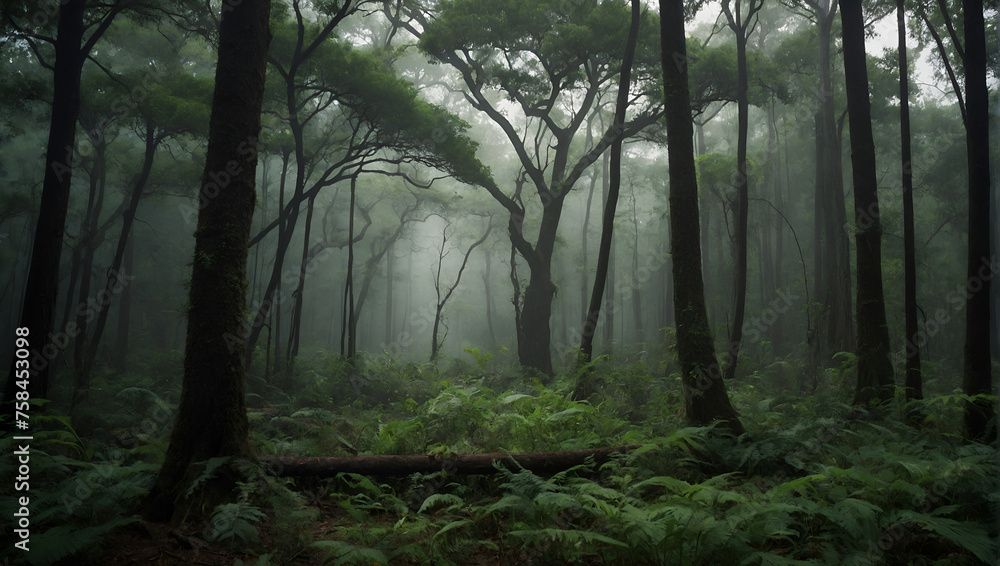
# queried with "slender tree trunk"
point(778, 334)
point(819, 350)
point(637, 312)
point(295, 326)
point(37, 312)
point(115, 281)
point(976, 376)
point(741, 26)
point(487, 288)
point(584, 386)
point(211, 419)
point(124, 307)
point(442, 301)
point(390, 260)
point(839, 331)
point(705, 396)
point(875, 378)
point(352, 327)
point(90, 241)
point(585, 262)
point(914, 383)
point(609, 297)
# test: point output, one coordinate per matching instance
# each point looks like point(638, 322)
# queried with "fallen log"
point(403, 465)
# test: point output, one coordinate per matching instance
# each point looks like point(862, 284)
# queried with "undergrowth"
point(813, 481)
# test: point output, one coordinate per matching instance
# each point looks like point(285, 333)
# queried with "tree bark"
point(403, 465)
point(211, 419)
point(875, 378)
point(705, 397)
point(976, 376)
point(37, 311)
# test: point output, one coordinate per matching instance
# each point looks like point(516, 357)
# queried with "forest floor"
point(813, 481)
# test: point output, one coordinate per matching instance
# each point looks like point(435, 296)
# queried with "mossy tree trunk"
point(705, 396)
point(211, 419)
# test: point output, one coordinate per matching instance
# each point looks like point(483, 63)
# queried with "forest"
point(490, 282)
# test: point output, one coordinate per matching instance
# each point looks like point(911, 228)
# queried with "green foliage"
point(813, 481)
point(234, 523)
point(66, 540)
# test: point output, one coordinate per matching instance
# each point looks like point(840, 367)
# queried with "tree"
point(976, 375)
point(583, 386)
point(441, 301)
point(552, 61)
point(875, 377)
point(742, 25)
point(37, 313)
point(914, 382)
point(349, 114)
point(211, 419)
point(705, 397)
point(832, 264)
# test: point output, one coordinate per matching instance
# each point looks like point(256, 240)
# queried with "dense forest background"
point(397, 253)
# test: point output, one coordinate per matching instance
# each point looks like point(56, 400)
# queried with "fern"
point(968, 536)
point(211, 466)
point(67, 540)
point(234, 522)
point(339, 552)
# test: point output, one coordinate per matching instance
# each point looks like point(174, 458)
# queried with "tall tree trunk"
point(584, 386)
point(742, 26)
point(295, 326)
point(442, 301)
point(390, 260)
point(535, 349)
point(777, 331)
point(637, 311)
point(351, 348)
point(609, 297)
point(976, 377)
point(37, 311)
point(818, 341)
point(585, 261)
point(705, 396)
point(116, 283)
point(487, 288)
point(89, 241)
point(914, 382)
point(875, 378)
point(124, 307)
point(211, 419)
point(838, 333)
